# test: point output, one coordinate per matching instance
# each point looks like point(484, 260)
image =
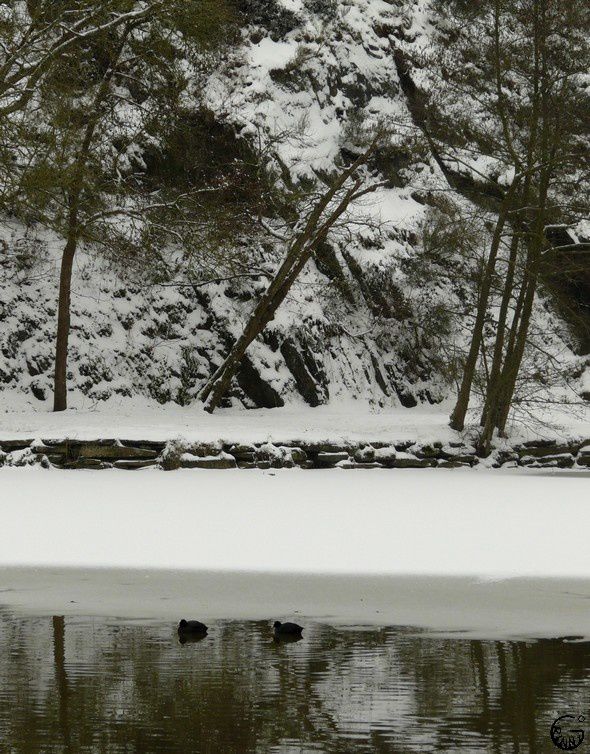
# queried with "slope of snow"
point(393, 339)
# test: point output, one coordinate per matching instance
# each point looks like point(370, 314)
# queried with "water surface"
point(74, 684)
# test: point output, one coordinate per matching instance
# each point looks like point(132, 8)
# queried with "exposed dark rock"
point(386, 456)
point(115, 452)
point(307, 385)
point(86, 463)
point(400, 446)
point(109, 453)
point(539, 444)
point(298, 455)
point(364, 455)
point(461, 458)
point(406, 399)
point(380, 379)
point(413, 463)
point(147, 444)
point(38, 392)
point(560, 460)
point(430, 451)
point(328, 447)
point(355, 465)
point(260, 392)
point(242, 453)
point(8, 446)
point(547, 450)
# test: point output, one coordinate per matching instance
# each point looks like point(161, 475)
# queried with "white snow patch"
point(272, 55)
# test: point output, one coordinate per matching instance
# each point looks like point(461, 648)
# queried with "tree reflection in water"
point(79, 685)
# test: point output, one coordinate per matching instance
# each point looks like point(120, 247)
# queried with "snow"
point(339, 421)
point(272, 55)
point(490, 554)
point(134, 420)
point(488, 524)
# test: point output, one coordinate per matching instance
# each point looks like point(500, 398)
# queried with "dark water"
point(81, 685)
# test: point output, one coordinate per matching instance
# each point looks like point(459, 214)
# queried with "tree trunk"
point(501, 329)
point(60, 401)
point(63, 326)
point(458, 416)
point(490, 413)
point(221, 380)
point(514, 361)
point(263, 313)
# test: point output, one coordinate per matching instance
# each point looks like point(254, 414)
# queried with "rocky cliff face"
point(376, 317)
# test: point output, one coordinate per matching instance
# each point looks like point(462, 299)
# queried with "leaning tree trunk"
point(263, 313)
point(299, 254)
point(219, 383)
point(314, 231)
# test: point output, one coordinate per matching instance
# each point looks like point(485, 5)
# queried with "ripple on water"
point(80, 685)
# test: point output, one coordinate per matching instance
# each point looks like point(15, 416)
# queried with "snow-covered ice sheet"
point(487, 524)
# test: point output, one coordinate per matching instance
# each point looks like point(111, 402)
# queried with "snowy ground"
point(353, 420)
point(492, 552)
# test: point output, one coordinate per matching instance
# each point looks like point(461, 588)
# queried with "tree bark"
point(501, 329)
point(60, 399)
point(458, 416)
point(60, 402)
point(514, 358)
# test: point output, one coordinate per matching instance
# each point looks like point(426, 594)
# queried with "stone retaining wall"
point(134, 454)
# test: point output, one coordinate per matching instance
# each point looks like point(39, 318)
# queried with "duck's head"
point(182, 623)
point(277, 624)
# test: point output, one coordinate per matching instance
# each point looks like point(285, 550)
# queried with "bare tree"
point(520, 70)
point(37, 35)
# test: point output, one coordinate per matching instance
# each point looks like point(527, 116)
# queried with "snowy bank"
point(348, 435)
point(338, 422)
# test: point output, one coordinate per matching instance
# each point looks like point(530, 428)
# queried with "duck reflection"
point(191, 638)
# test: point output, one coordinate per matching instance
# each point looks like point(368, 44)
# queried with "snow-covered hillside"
point(373, 317)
